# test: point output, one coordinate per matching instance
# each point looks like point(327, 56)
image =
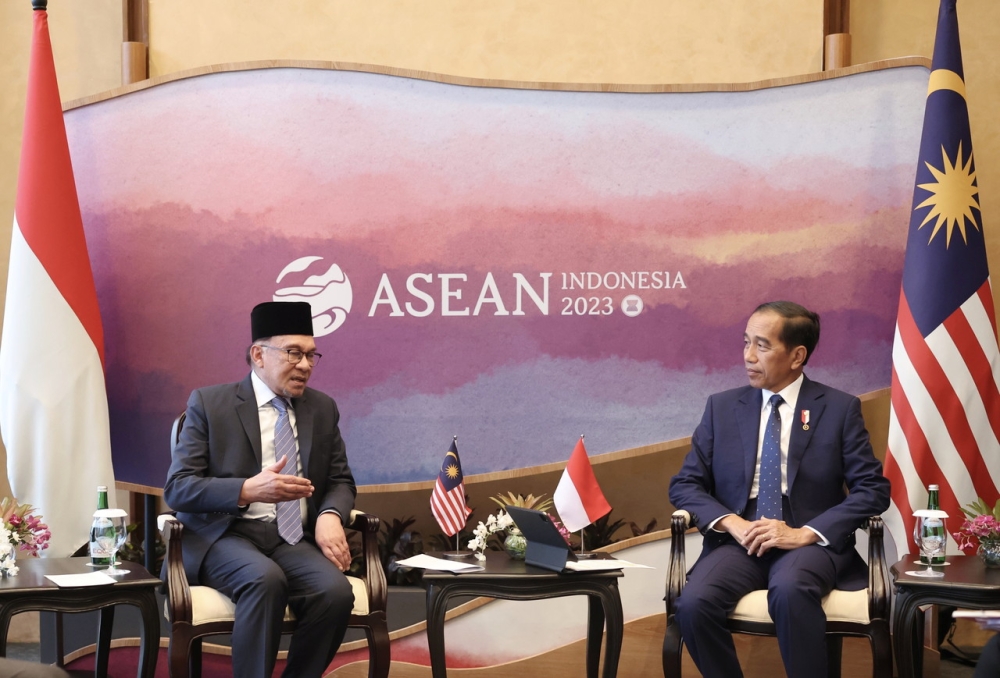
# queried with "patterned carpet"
point(124, 663)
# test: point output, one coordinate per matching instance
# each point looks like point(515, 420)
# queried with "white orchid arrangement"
point(8, 539)
point(501, 522)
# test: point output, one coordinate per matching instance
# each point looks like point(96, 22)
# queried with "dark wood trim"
point(900, 62)
point(836, 17)
point(135, 21)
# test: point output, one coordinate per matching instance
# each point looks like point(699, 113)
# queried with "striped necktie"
point(289, 516)
point(769, 482)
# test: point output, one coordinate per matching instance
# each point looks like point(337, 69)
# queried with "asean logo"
point(632, 305)
point(329, 293)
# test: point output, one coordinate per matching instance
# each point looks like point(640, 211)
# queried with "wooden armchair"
point(198, 611)
point(848, 613)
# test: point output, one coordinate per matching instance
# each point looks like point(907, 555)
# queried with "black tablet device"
point(546, 546)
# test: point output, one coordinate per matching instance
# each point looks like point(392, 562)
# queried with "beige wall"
point(636, 41)
point(633, 41)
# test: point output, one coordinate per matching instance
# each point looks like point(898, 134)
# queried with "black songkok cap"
point(278, 318)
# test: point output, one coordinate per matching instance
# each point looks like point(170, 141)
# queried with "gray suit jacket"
point(220, 447)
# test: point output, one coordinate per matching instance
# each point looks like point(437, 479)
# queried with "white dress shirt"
point(268, 417)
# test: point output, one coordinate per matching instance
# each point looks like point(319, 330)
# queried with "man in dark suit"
point(260, 481)
point(764, 482)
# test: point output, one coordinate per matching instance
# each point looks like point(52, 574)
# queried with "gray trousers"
point(263, 574)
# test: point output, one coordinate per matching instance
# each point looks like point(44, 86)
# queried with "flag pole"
point(582, 556)
point(582, 436)
point(454, 439)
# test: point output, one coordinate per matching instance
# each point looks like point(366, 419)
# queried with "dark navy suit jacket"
point(220, 447)
point(834, 480)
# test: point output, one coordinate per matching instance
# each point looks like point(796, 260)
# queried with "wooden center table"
point(967, 582)
point(30, 590)
point(504, 577)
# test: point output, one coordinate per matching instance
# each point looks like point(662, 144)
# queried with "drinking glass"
point(931, 537)
point(113, 540)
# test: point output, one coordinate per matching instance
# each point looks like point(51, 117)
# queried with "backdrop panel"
point(516, 267)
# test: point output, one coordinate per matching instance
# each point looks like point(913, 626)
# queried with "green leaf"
point(529, 502)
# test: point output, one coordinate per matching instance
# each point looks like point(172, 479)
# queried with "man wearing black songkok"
point(260, 481)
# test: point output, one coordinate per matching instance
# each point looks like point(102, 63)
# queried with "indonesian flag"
point(578, 497)
point(53, 403)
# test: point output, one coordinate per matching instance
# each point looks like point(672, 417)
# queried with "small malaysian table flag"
point(448, 497)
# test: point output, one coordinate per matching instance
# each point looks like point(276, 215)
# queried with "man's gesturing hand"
point(272, 486)
point(332, 541)
point(766, 534)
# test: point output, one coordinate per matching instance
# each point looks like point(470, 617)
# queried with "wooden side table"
point(512, 579)
point(30, 590)
point(967, 582)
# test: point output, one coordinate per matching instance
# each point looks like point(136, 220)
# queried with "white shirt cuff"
point(823, 541)
point(711, 525)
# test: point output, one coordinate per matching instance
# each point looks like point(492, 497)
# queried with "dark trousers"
point(988, 665)
point(796, 582)
point(262, 574)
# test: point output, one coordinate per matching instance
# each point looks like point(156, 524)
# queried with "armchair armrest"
point(177, 589)
point(677, 567)
point(878, 574)
point(368, 526)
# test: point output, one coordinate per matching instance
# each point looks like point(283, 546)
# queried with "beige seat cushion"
point(208, 605)
point(840, 606)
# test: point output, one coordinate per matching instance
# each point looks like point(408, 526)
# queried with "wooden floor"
point(641, 658)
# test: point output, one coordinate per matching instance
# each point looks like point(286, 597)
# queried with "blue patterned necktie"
point(769, 482)
point(289, 516)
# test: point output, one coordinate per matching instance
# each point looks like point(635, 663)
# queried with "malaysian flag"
point(448, 498)
point(944, 425)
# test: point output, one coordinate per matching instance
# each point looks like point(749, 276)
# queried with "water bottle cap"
point(110, 513)
point(102, 488)
point(930, 513)
point(932, 488)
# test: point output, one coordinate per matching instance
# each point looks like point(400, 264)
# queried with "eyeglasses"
point(295, 355)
